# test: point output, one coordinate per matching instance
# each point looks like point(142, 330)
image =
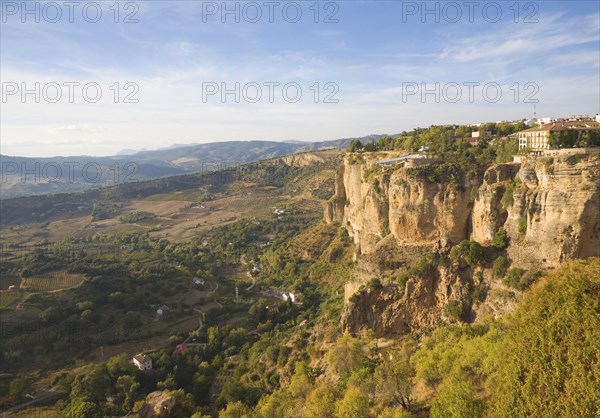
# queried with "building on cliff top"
point(411, 160)
point(537, 138)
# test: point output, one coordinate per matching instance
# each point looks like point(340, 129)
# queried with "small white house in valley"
point(142, 361)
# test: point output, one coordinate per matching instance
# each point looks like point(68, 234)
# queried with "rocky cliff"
point(549, 207)
point(372, 204)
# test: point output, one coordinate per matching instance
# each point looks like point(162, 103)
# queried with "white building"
point(142, 361)
point(545, 121)
point(537, 139)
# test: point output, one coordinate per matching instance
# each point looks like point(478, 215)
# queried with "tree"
point(168, 383)
point(457, 399)
point(347, 355)
point(184, 404)
point(355, 145)
point(394, 377)
point(259, 309)
point(51, 314)
point(395, 413)
point(370, 147)
point(320, 403)
point(279, 404)
point(300, 384)
point(551, 354)
point(235, 410)
point(455, 310)
point(119, 365)
point(82, 409)
point(354, 404)
point(91, 387)
point(127, 387)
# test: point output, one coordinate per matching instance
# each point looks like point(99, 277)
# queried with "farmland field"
point(55, 280)
point(8, 298)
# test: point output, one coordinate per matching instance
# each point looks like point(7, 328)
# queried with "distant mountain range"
point(25, 176)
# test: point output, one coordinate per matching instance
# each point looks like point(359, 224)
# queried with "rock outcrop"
point(556, 211)
point(414, 210)
point(549, 207)
point(393, 310)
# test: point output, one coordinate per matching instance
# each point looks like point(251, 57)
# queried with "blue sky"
point(373, 55)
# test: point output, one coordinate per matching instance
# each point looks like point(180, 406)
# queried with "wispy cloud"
point(550, 33)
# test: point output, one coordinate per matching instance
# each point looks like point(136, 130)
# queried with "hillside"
point(23, 176)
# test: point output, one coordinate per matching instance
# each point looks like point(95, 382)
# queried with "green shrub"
point(474, 193)
point(374, 284)
point(499, 266)
point(386, 229)
point(529, 278)
point(479, 292)
point(508, 196)
point(418, 270)
point(402, 280)
point(355, 297)
point(500, 240)
point(454, 310)
point(513, 278)
point(523, 226)
point(470, 251)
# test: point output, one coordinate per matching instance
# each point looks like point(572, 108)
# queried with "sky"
point(97, 77)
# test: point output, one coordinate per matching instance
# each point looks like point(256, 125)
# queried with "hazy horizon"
point(96, 79)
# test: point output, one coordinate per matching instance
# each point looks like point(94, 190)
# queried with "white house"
point(142, 361)
point(162, 310)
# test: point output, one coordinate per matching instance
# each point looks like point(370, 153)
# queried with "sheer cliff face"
point(550, 210)
point(411, 209)
point(555, 214)
point(557, 198)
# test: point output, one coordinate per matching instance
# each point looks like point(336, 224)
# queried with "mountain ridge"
point(29, 176)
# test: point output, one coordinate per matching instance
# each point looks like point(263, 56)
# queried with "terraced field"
point(55, 280)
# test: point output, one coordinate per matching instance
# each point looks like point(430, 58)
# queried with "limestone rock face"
point(334, 211)
point(157, 404)
point(421, 211)
point(393, 311)
point(550, 210)
point(558, 200)
point(411, 208)
point(488, 214)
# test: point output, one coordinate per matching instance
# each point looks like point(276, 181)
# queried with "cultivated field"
point(55, 280)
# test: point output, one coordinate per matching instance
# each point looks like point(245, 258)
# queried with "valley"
point(315, 284)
